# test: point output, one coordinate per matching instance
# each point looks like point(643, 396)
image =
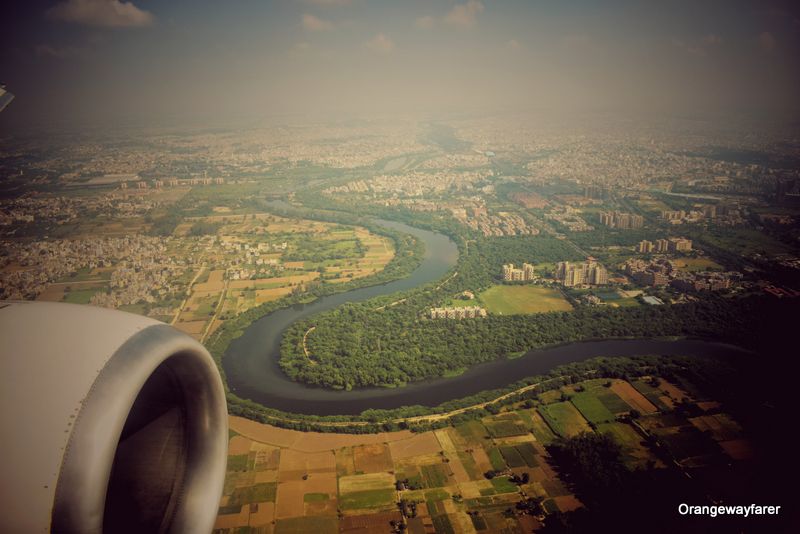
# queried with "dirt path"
point(188, 293)
point(305, 345)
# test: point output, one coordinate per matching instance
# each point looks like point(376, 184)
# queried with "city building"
point(679, 244)
point(512, 274)
point(623, 221)
point(645, 247)
point(576, 274)
point(453, 312)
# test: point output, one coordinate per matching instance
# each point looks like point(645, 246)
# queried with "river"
point(252, 370)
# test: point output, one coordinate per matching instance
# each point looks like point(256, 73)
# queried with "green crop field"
point(504, 429)
point(358, 500)
point(541, 431)
point(610, 400)
point(496, 459)
point(81, 296)
point(263, 492)
point(591, 408)
point(513, 458)
point(520, 455)
point(564, 418)
point(504, 485)
point(434, 475)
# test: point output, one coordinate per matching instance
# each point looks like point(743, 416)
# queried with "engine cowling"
point(111, 422)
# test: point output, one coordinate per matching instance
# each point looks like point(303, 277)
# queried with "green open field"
point(697, 264)
point(263, 492)
point(505, 426)
point(358, 500)
point(516, 300)
point(537, 426)
point(81, 296)
point(564, 418)
point(592, 408)
point(745, 241)
point(434, 475)
point(504, 485)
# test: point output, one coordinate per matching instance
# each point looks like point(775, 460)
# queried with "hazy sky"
point(106, 60)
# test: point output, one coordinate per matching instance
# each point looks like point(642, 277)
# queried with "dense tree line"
point(203, 227)
point(353, 346)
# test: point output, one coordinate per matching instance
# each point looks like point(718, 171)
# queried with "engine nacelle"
point(111, 422)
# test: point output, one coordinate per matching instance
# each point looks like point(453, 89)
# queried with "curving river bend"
point(252, 370)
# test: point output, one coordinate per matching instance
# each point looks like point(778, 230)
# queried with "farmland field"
point(564, 418)
point(294, 481)
point(362, 500)
point(591, 407)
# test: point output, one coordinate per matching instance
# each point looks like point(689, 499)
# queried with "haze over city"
point(93, 61)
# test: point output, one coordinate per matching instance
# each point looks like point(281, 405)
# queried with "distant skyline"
point(105, 62)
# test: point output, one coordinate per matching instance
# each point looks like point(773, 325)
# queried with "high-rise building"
point(680, 244)
point(512, 274)
point(624, 221)
point(561, 269)
point(527, 271)
point(661, 245)
point(574, 276)
point(599, 275)
point(645, 247)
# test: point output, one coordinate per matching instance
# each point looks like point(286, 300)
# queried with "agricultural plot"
point(635, 454)
point(542, 432)
point(505, 426)
point(521, 455)
point(504, 485)
point(281, 487)
point(631, 395)
point(591, 408)
point(382, 499)
point(687, 442)
point(471, 433)
point(564, 419)
point(651, 394)
point(372, 458)
point(608, 397)
point(435, 475)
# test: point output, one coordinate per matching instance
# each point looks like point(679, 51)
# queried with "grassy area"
point(434, 475)
point(315, 497)
point(504, 485)
point(591, 408)
point(744, 241)
point(496, 459)
point(609, 399)
point(564, 418)
point(505, 428)
point(515, 300)
point(358, 500)
point(697, 264)
point(81, 296)
point(264, 492)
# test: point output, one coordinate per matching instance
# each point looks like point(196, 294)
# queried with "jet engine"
point(111, 422)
